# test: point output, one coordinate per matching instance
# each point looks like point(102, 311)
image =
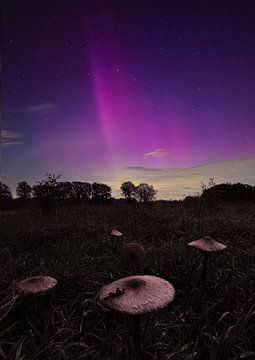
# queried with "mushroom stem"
point(204, 268)
point(115, 234)
point(137, 338)
point(115, 246)
point(133, 256)
point(134, 268)
point(114, 243)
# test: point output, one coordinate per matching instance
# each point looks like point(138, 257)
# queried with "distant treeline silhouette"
point(48, 191)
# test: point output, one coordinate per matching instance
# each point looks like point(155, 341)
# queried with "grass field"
point(214, 322)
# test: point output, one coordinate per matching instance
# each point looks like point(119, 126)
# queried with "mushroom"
point(133, 256)
point(115, 234)
point(206, 245)
point(137, 295)
point(30, 286)
point(35, 285)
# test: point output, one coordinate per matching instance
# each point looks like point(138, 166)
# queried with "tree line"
point(52, 188)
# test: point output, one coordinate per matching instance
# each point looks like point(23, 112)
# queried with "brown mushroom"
point(206, 246)
point(133, 256)
point(137, 295)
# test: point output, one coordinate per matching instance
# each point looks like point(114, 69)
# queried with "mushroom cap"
point(115, 232)
point(133, 250)
point(207, 244)
point(137, 295)
point(35, 285)
point(133, 254)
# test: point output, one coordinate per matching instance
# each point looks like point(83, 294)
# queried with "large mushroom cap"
point(35, 285)
point(115, 232)
point(137, 295)
point(207, 244)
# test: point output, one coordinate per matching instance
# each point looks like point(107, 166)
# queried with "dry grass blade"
point(7, 307)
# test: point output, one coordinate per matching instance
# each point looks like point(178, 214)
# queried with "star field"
point(93, 88)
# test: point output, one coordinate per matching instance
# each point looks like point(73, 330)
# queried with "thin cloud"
point(157, 153)
point(10, 137)
point(9, 142)
point(141, 168)
point(40, 108)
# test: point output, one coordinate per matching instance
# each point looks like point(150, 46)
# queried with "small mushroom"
point(115, 234)
point(30, 286)
point(137, 295)
point(35, 285)
point(206, 245)
point(133, 256)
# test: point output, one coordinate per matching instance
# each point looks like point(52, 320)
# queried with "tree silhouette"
point(46, 192)
point(82, 190)
point(5, 193)
point(24, 190)
point(47, 188)
point(128, 189)
point(101, 191)
point(64, 190)
point(145, 192)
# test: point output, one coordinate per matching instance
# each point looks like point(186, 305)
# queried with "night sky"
point(161, 92)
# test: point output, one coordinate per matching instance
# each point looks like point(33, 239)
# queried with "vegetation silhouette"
point(24, 190)
point(229, 192)
point(49, 192)
point(6, 200)
point(128, 190)
point(5, 192)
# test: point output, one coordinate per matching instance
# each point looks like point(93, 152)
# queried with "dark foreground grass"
point(216, 322)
